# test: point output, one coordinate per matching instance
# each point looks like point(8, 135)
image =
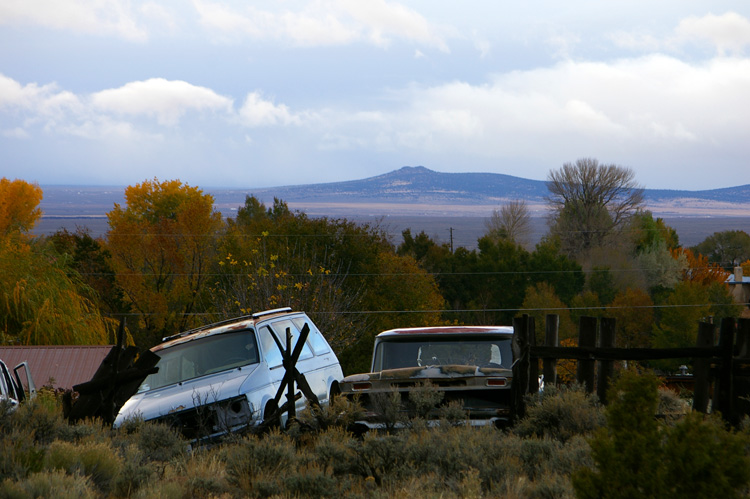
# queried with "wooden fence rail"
point(725, 366)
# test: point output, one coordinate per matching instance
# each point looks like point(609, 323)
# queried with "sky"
point(265, 93)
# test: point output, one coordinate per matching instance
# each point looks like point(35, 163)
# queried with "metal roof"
point(59, 366)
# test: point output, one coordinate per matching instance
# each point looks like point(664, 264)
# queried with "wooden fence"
point(721, 370)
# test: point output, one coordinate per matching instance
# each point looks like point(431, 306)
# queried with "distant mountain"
point(418, 185)
point(413, 190)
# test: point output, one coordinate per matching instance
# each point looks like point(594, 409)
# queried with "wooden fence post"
point(586, 338)
point(742, 368)
point(533, 363)
point(702, 368)
point(723, 395)
point(521, 361)
point(743, 339)
point(551, 334)
point(606, 367)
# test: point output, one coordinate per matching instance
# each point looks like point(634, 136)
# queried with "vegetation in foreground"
point(644, 444)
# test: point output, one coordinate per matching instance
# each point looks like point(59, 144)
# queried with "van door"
point(307, 364)
point(25, 384)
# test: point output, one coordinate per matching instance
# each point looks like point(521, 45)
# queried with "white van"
point(223, 377)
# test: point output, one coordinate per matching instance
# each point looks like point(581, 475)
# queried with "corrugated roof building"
point(59, 366)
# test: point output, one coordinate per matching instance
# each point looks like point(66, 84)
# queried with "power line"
point(401, 274)
point(467, 310)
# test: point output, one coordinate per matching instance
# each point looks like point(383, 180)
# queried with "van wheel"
point(335, 392)
point(269, 420)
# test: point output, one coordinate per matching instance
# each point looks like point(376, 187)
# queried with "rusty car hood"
point(429, 372)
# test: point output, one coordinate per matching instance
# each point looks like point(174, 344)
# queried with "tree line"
point(170, 262)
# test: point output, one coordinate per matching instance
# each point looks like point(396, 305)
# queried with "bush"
point(136, 471)
point(638, 456)
point(561, 413)
point(336, 450)
point(97, 460)
point(256, 463)
point(42, 417)
point(704, 459)
point(206, 476)
point(49, 484)
point(342, 412)
point(159, 442)
point(20, 455)
point(671, 407)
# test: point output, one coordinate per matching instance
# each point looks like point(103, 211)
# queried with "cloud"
point(45, 103)
point(322, 23)
point(167, 100)
point(381, 20)
point(100, 114)
point(80, 16)
point(259, 112)
point(16, 133)
point(729, 33)
point(627, 108)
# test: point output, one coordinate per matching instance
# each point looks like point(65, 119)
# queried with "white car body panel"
point(256, 382)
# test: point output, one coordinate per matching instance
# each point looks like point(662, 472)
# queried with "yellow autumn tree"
point(162, 245)
point(41, 302)
point(698, 269)
point(19, 206)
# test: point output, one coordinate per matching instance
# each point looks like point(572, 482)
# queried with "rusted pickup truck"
point(466, 365)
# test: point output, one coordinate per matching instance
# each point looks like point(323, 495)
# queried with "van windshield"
point(208, 355)
point(423, 352)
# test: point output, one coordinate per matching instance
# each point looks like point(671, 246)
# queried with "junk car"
point(470, 365)
point(223, 377)
point(14, 389)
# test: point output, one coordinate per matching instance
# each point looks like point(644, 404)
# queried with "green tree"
point(647, 232)
point(586, 304)
point(659, 267)
point(548, 264)
point(41, 299)
point(540, 301)
point(636, 455)
point(591, 203)
point(681, 312)
point(404, 295)
point(627, 451)
point(492, 282)
point(728, 248)
point(162, 245)
point(431, 256)
point(602, 283)
point(89, 258)
point(634, 313)
point(346, 275)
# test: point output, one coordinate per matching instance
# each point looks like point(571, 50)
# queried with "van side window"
point(3, 388)
point(270, 349)
point(280, 328)
point(8, 389)
point(315, 338)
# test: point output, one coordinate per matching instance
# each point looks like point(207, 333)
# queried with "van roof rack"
point(256, 315)
point(207, 326)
